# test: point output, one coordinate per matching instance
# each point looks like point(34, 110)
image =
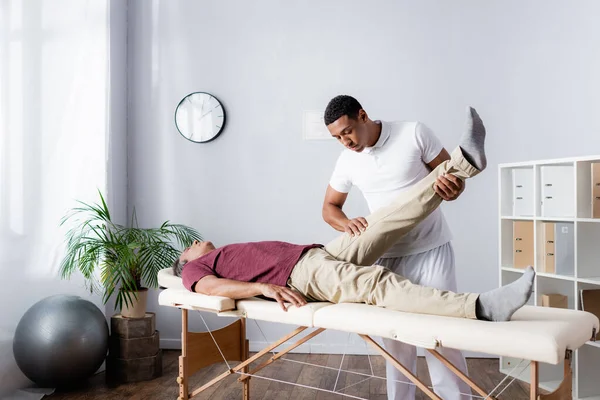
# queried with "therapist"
point(383, 159)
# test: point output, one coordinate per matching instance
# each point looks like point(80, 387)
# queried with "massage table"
point(537, 334)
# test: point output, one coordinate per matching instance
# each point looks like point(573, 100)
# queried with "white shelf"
point(519, 218)
point(511, 269)
point(522, 190)
point(556, 276)
point(550, 161)
point(593, 281)
point(550, 219)
point(556, 219)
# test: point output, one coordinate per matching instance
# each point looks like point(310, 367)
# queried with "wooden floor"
point(483, 371)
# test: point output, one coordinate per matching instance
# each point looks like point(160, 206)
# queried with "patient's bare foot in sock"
point(500, 304)
point(472, 142)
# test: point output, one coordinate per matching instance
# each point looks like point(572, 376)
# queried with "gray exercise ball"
point(61, 341)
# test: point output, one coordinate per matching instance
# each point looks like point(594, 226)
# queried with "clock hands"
point(208, 112)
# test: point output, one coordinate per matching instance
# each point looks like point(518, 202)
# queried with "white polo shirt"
point(396, 162)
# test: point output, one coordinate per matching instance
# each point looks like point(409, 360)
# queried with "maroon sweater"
point(266, 262)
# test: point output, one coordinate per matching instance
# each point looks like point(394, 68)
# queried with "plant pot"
point(137, 306)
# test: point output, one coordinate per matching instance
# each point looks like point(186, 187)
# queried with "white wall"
point(530, 68)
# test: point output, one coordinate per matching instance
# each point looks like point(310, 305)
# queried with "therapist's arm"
point(336, 217)
point(448, 187)
point(212, 286)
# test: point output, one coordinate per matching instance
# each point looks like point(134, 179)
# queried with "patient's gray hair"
point(177, 267)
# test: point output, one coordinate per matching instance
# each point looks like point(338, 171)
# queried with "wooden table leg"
point(535, 376)
point(245, 356)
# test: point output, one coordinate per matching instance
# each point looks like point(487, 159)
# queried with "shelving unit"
point(537, 192)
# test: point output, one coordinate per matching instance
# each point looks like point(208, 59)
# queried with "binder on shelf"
point(564, 256)
point(557, 191)
point(548, 257)
point(522, 192)
point(558, 255)
point(522, 244)
point(595, 190)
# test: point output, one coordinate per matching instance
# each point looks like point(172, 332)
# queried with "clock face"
point(200, 117)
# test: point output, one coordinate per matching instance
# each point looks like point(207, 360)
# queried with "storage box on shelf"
point(549, 217)
point(588, 189)
point(588, 297)
point(555, 300)
point(556, 248)
point(517, 195)
point(595, 171)
point(557, 190)
point(548, 285)
point(523, 192)
point(523, 244)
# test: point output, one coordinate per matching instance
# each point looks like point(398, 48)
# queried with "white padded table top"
point(179, 296)
point(270, 311)
point(183, 298)
point(167, 279)
point(535, 333)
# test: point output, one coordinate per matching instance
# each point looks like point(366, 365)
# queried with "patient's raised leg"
point(388, 224)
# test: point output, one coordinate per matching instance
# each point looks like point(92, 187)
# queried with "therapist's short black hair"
point(341, 105)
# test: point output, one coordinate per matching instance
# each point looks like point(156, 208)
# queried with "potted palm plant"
point(113, 257)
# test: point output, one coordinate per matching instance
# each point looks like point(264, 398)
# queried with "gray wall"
point(530, 68)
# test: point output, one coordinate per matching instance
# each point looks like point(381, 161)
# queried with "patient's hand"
point(283, 295)
point(449, 187)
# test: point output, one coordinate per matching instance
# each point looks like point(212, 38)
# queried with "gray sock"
point(472, 142)
point(500, 304)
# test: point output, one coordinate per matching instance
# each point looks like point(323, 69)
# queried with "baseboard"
point(318, 348)
point(170, 344)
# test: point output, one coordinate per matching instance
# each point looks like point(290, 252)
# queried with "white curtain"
point(54, 119)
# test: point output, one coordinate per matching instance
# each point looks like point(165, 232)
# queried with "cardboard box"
point(555, 300)
point(590, 302)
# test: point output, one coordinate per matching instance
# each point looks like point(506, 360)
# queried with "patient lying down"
point(343, 271)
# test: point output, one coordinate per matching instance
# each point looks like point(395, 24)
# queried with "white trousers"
point(433, 268)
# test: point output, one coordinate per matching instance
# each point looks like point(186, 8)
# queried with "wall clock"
point(200, 117)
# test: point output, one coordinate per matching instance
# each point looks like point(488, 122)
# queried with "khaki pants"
point(342, 271)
